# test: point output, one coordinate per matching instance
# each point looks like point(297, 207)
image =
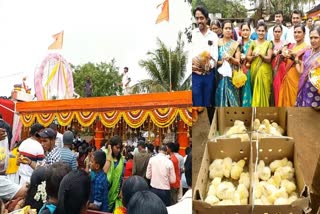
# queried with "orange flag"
point(164, 15)
point(57, 44)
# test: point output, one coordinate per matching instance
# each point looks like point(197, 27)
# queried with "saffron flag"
point(164, 15)
point(57, 44)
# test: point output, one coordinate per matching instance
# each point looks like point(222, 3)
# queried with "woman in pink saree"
point(278, 65)
point(308, 95)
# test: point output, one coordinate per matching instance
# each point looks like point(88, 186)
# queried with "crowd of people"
point(274, 64)
point(60, 173)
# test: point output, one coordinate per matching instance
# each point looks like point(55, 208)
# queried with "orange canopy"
point(161, 108)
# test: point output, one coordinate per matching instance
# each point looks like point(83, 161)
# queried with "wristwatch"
point(297, 61)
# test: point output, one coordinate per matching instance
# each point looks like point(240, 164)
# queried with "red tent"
point(7, 109)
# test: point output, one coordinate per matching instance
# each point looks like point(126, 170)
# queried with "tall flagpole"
point(170, 69)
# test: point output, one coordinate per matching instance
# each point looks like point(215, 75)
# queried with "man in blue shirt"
point(67, 156)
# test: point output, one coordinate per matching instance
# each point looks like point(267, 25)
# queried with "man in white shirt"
point(203, 39)
point(296, 19)
point(160, 171)
point(278, 18)
point(309, 23)
point(125, 81)
point(32, 149)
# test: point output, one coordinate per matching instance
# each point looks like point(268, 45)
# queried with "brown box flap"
point(316, 179)
point(304, 127)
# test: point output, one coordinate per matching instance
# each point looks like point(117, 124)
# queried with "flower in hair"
point(41, 192)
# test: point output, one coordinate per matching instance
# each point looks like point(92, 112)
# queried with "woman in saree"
point(114, 168)
point(228, 55)
point(278, 65)
point(259, 54)
point(289, 85)
point(308, 95)
point(246, 93)
point(215, 26)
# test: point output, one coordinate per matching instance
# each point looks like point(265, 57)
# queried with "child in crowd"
point(90, 151)
point(99, 184)
point(54, 175)
point(128, 168)
point(74, 193)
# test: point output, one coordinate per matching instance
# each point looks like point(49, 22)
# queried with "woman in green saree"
point(114, 168)
point(228, 53)
point(259, 54)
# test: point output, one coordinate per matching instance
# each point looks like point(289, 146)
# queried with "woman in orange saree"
point(289, 85)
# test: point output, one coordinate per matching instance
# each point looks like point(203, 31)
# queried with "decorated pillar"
point(98, 134)
point(183, 137)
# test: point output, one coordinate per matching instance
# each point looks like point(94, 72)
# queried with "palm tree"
point(158, 67)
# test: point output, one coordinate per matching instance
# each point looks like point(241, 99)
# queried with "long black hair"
point(115, 141)
point(38, 176)
point(132, 185)
point(144, 202)
point(74, 192)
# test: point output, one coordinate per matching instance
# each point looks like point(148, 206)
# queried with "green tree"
point(271, 6)
point(228, 8)
point(104, 76)
point(157, 66)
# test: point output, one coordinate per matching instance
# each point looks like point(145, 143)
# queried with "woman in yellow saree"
point(290, 82)
point(259, 54)
point(228, 56)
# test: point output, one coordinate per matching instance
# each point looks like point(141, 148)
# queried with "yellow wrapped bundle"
point(239, 78)
point(25, 210)
point(202, 62)
point(315, 78)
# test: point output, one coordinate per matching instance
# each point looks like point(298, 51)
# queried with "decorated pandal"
point(127, 116)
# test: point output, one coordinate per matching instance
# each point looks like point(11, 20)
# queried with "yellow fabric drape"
point(86, 118)
point(65, 118)
point(45, 118)
point(162, 117)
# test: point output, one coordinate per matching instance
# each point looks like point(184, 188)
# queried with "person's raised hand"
point(3, 134)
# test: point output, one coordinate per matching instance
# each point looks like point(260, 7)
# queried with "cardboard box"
point(315, 203)
point(303, 126)
point(270, 149)
point(236, 150)
point(273, 114)
point(224, 119)
point(315, 190)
